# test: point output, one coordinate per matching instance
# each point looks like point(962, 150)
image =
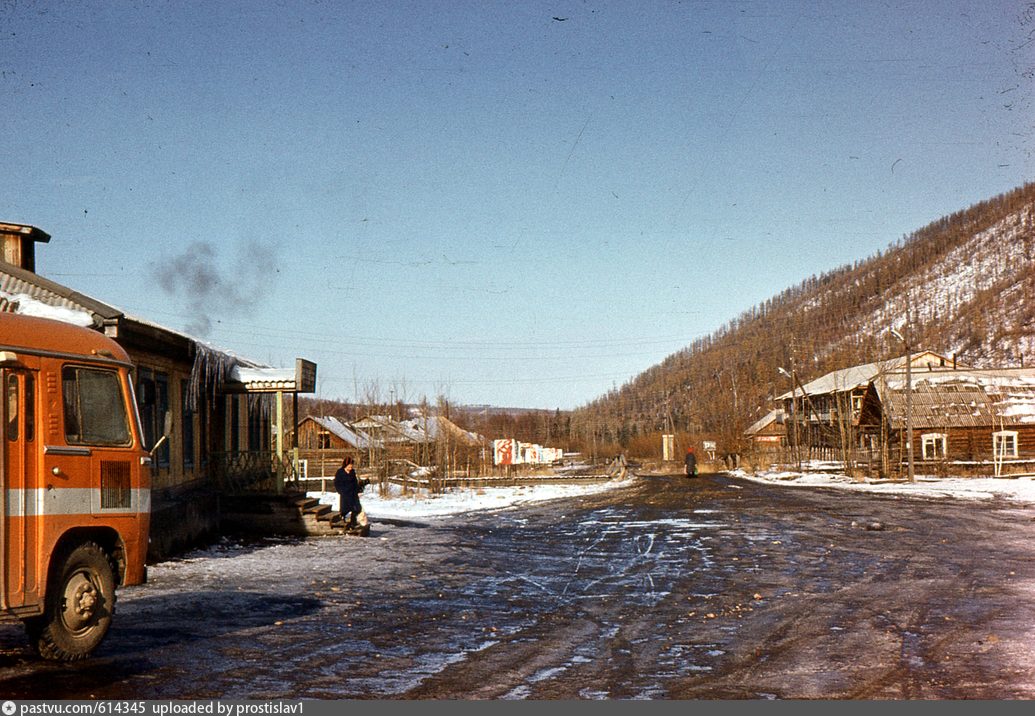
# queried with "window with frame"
point(933, 445)
point(95, 413)
point(1004, 443)
point(153, 404)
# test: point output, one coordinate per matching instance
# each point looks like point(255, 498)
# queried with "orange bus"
point(75, 494)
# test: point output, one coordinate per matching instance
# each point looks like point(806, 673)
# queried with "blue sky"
point(516, 203)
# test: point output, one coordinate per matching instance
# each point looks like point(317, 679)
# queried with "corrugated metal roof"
point(859, 376)
point(961, 398)
point(351, 436)
point(17, 284)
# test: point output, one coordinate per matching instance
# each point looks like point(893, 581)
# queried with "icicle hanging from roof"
point(211, 370)
point(260, 405)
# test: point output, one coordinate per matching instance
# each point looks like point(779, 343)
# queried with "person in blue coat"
point(347, 486)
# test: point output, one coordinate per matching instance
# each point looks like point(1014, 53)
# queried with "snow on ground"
point(422, 505)
point(1020, 489)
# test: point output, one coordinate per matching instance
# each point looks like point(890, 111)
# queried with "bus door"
point(20, 516)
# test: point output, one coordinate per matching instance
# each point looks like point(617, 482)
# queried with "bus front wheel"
point(78, 606)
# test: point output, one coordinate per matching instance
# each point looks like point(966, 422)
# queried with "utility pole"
point(794, 418)
point(909, 397)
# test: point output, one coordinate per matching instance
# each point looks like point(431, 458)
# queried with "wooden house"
point(983, 419)
point(768, 433)
point(375, 441)
point(324, 441)
point(444, 443)
point(826, 411)
point(391, 440)
point(217, 411)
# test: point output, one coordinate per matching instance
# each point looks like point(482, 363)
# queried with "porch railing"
point(254, 471)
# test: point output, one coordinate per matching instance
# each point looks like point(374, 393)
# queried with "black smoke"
point(210, 291)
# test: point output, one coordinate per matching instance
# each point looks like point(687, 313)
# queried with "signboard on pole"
point(305, 376)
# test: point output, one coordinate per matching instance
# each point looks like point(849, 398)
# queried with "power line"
point(261, 331)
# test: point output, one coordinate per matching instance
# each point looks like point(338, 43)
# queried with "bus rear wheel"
point(78, 607)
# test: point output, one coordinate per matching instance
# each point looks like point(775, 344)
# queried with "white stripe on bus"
point(70, 501)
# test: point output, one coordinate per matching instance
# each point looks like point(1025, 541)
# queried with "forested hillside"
point(967, 282)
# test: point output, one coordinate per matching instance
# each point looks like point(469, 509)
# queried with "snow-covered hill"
point(967, 283)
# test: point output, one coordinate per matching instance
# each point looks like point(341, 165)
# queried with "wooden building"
point(375, 441)
point(768, 433)
point(961, 419)
point(324, 441)
point(826, 411)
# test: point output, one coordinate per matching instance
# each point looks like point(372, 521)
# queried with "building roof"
point(28, 293)
point(381, 430)
point(773, 416)
point(385, 429)
point(436, 427)
point(961, 398)
point(350, 435)
point(859, 376)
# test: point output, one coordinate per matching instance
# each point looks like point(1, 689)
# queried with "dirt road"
point(665, 588)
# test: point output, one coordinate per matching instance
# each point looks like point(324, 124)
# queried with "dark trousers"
point(352, 509)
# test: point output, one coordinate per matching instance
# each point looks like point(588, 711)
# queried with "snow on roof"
point(351, 436)
point(26, 305)
point(390, 430)
point(264, 378)
point(28, 286)
point(410, 430)
point(858, 376)
point(436, 427)
point(971, 397)
point(28, 293)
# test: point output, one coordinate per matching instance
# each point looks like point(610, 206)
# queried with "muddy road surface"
point(662, 588)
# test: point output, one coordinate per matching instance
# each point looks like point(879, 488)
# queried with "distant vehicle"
point(75, 493)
